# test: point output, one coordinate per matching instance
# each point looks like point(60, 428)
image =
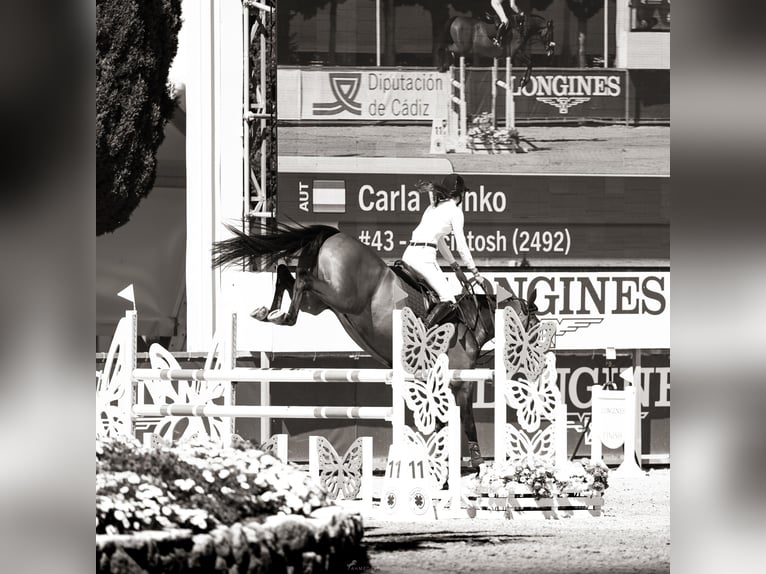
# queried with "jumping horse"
point(335, 271)
point(466, 36)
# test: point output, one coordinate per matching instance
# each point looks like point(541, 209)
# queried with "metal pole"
point(606, 33)
point(377, 33)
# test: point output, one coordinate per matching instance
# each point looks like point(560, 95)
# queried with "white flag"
point(128, 294)
point(628, 375)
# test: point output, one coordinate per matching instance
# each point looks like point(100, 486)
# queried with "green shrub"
point(136, 41)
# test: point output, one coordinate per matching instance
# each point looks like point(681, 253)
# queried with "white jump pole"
point(510, 110)
point(500, 377)
point(458, 122)
point(246, 411)
point(494, 92)
point(510, 103)
point(463, 109)
point(397, 380)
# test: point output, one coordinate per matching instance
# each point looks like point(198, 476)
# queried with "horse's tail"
point(272, 245)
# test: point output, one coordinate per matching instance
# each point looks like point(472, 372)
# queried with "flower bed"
point(540, 488)
point(202, 508)
point(483, 136)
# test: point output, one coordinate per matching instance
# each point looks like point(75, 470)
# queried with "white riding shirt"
point(436, 223)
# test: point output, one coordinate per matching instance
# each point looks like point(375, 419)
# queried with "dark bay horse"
point(337, 272)
point(466, 36)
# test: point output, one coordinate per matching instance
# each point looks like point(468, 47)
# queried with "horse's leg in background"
point(285, 282)
point(464, 399)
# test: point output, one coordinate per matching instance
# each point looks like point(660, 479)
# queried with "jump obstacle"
point(449, 133)
point(123, 389)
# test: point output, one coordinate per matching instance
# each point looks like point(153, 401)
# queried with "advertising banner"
point(370, 94)
point(560, 94)
point(381, 94)
point(507, 216)
point(593, 310)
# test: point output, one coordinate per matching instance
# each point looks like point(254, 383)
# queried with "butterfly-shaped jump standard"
point(420, 348)
point(340, 475)
point(430, 400)
point(534, 400)
point(519, 445)
point(434, 449)
point(524, 349)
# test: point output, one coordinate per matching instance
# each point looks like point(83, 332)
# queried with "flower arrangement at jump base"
point(484, 136)
point(541, 479)
point(196, 487)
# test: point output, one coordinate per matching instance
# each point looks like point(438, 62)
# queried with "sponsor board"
point(400, 94)
point(594, 310)
point(370, 94)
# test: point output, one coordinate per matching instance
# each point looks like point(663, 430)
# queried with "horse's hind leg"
point(302, 300)
point(285, 282)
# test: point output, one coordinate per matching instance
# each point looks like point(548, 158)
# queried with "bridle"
point(542, 27)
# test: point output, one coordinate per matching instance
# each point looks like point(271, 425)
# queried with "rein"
point(528, 309)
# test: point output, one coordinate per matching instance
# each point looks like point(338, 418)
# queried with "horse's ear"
point(550, 23)
point(533, 296)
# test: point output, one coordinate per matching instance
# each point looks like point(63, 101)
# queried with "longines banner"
point(593, 310)
point(376, 94)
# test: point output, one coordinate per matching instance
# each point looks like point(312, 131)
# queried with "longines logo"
point(563, 104)
point(345, 87)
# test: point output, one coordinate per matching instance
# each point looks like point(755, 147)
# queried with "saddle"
point(421, 298)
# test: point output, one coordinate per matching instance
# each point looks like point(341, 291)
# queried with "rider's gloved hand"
point(477, 278)
point(458, 272)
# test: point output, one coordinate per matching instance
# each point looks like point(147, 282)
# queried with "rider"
point(518, 15)
point(442, 217)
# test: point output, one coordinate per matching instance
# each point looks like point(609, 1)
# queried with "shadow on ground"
point(407, 541)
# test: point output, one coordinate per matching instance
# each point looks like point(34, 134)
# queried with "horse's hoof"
point(275, 316)
point(475, 453)
point(260, 314)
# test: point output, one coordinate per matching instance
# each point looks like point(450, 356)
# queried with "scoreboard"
point(507, 216)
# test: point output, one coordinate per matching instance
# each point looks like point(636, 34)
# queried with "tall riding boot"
point(439, 312)
point(475, 453)
point(498, 39)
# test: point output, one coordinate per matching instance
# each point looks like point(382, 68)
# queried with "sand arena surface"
point(632, 535)
point(594, 150)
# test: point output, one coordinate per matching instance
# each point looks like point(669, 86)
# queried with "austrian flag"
point(329, 196)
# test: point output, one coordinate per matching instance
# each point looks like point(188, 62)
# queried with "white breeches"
point(498, 6)
point(423, 260)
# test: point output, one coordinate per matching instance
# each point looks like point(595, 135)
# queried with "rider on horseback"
point(518, 16)
point(442, 217)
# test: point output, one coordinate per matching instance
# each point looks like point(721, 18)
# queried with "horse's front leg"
point(527, 74)
point(285, 282)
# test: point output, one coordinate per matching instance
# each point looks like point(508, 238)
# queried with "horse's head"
point(525, 309)
point(538, 29)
